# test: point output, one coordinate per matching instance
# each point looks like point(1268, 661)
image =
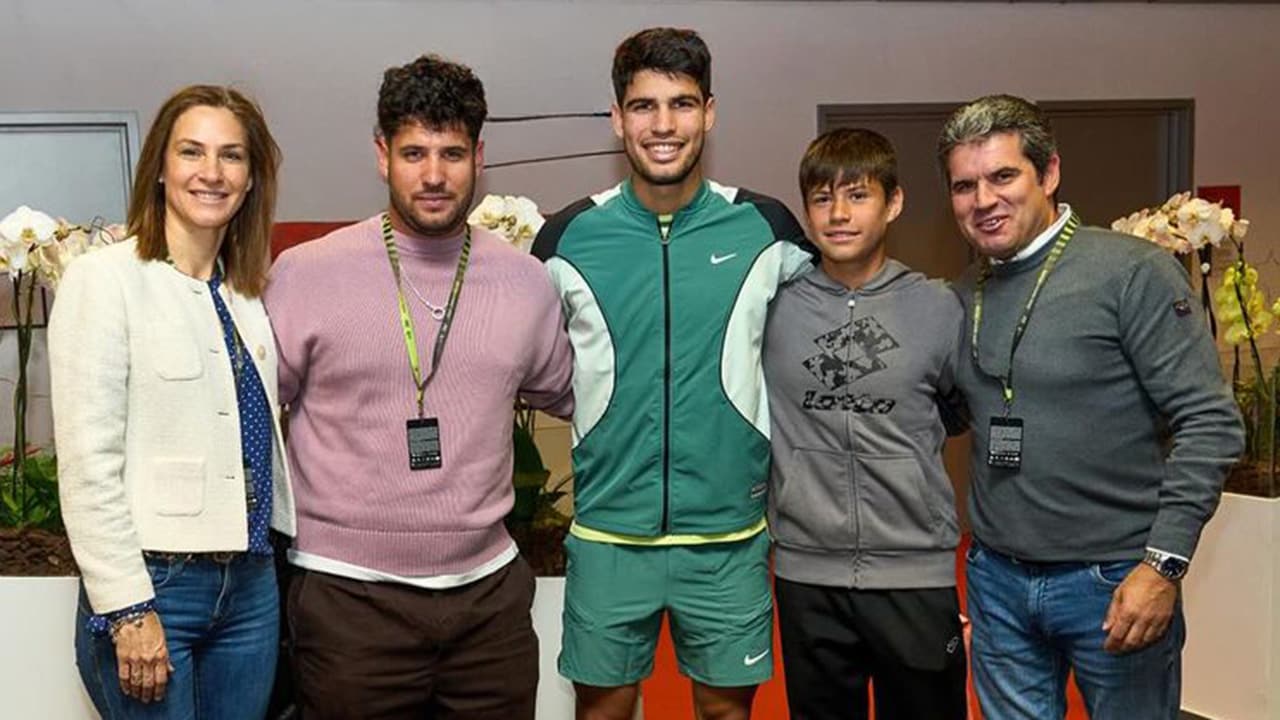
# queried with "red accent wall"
point(285, 235)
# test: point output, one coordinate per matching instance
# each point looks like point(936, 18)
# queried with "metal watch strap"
point(1160, 562)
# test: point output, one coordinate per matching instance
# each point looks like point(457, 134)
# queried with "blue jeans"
point(1032, 622)
point(221, 625)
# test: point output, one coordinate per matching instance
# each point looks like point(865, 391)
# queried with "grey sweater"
point(1116, 358)
point(858, 495)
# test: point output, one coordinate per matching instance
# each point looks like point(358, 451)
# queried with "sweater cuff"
point(1162, 551)
point(1174, 535)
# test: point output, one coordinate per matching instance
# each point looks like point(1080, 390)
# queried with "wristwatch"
point(1171, 567)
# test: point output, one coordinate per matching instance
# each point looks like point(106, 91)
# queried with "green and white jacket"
point(671, 425)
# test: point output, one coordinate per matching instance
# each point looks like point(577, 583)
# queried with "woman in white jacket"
point(166, 422)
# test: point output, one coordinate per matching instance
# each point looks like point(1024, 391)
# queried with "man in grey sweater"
point(1103, 429)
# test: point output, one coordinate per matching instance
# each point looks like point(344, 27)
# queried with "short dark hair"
point(674, 51)
point(434, 92)
point(995, 114)
point(246, 247)
point(848, 155)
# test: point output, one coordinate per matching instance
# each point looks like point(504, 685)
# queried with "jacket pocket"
point(174, 354)
point(177, 486)
point(812, 506)
point(897, 510)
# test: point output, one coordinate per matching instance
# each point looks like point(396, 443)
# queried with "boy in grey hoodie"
point(858, 359)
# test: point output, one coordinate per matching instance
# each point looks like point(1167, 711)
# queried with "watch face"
point(1173, 568)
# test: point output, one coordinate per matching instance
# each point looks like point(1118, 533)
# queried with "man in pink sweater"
point(404, 341)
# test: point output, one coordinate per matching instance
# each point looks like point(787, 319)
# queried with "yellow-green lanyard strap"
point(1006, 380)
point(406, 320)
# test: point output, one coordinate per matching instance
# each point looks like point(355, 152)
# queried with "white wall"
point(315, 66)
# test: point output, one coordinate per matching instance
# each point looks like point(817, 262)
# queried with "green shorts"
point(717, 595)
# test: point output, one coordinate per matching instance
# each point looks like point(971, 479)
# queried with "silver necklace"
point(437, 311)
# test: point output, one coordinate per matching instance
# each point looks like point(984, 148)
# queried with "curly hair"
point(434, 92)
point(673, 51)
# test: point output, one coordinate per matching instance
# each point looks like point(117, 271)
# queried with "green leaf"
point(527, 457)
point(10, 501)
point(43, 467)
point(534, 479)
point(524, 506)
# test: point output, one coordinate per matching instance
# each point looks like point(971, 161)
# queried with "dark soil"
point(35, 553)
point(1252, 479)
point(39, 553)
point(543, 547)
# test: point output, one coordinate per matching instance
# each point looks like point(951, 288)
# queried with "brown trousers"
point(389, 651)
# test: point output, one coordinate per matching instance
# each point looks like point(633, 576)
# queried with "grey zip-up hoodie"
point(859, 383)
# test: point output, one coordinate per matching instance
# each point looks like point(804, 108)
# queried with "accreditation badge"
point(1004, 443)
point(424, 443)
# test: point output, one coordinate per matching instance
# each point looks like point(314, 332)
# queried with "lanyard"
point(406, 320)
point(1006, 380)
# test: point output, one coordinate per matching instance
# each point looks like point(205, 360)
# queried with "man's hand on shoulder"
point(1140, 610)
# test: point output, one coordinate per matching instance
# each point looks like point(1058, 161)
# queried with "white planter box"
point(38, 677)
point(1231, 664)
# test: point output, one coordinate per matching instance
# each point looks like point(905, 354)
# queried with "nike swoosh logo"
point(717, 259)
point(749, 660)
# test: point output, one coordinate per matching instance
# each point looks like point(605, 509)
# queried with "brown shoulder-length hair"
point(246, 247)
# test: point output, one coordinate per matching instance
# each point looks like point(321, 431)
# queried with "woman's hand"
point(142, 658)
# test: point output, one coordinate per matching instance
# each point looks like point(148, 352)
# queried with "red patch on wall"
point(1228, 195)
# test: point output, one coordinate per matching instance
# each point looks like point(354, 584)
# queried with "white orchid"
point(1184, 224)
point(515, 218)
point(35, 249)
point(36, 245)
point(30, 226)
point(21, 231)
point(71, 242)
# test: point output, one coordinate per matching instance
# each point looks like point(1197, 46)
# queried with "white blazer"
point(146, 421)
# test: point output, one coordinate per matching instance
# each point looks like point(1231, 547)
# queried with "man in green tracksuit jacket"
point(666, 280)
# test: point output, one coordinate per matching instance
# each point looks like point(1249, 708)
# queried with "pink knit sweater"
point(344, 373)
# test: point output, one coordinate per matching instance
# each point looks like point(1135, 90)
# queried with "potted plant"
point(1242, 306)
point(535, 522)
point(35, 250)
point(1187, 225)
